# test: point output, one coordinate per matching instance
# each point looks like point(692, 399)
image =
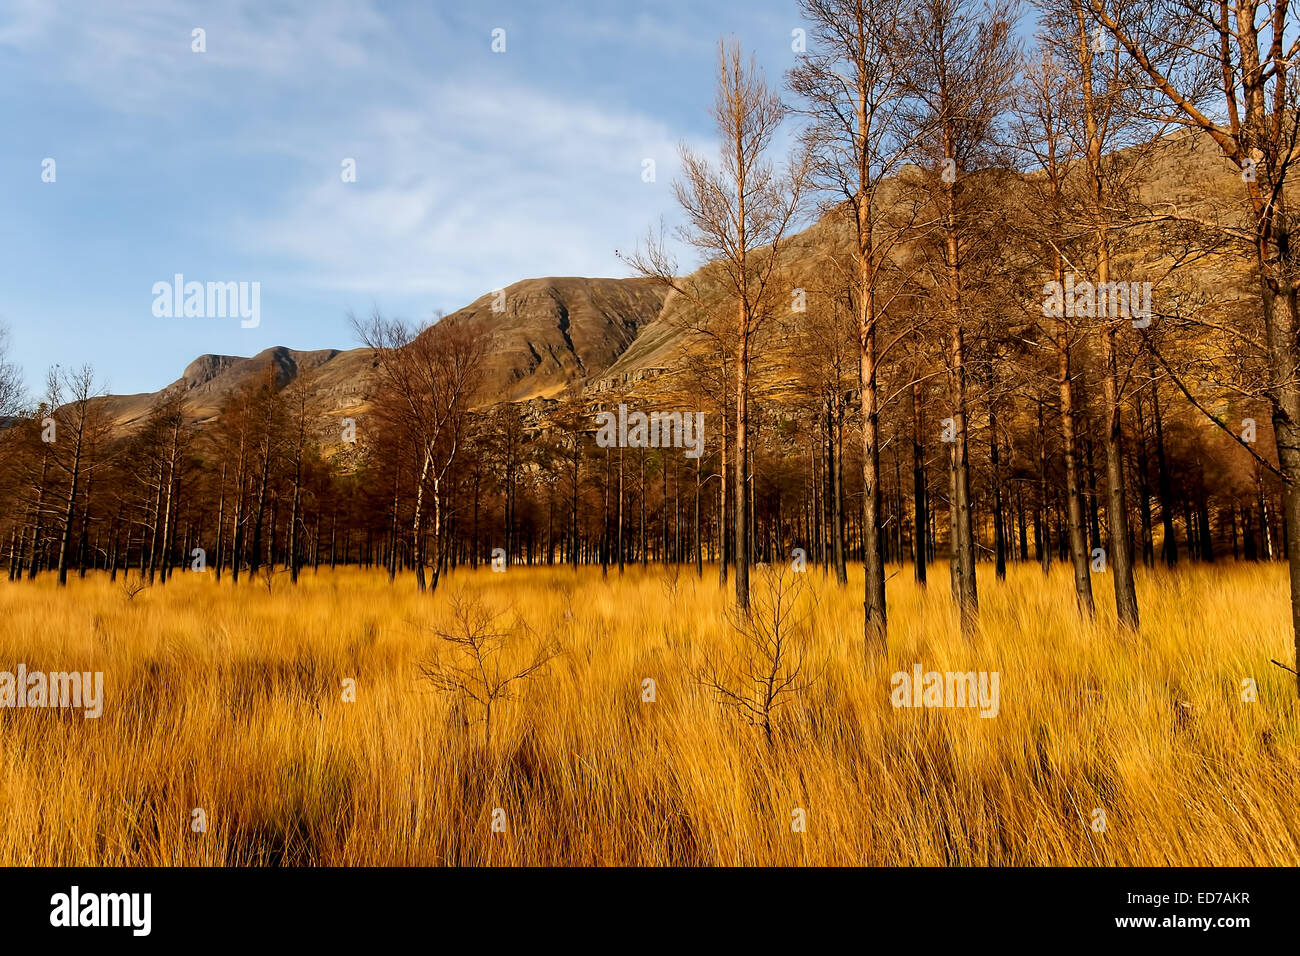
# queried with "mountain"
point(546, 335)
point(549, 334)
point(553, 333)
point(209, 381)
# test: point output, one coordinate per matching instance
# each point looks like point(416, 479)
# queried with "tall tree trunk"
point(1280, 309)
point(1144, 490)
point(439, 545)
point(417, 520)
point(723, 477)
point(40, 513)
point(699, 555)
point(622, 555)
point(999, 528)
point(742, 448)
point(65, 540)
point(1121, 558)
point(838, 551)
point(573, 548)
point(1042, 526)
point(604, 529)
point(155, 526)
point(875, 620)
point(1169, 547)
point(960, 508)
point(1120, 550)
point(919, 504)
point(1094, 512)
point(968, 595)
point(1073, 493)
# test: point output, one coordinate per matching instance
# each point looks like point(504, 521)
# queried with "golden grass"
point(230, 700)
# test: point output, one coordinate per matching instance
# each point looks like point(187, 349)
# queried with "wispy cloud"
point(472, 189)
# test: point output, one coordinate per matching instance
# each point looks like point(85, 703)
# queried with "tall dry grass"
point(230, 699)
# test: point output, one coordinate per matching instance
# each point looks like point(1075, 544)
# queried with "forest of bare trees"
point(895, 385)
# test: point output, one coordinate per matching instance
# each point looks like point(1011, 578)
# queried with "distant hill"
point(552, 334)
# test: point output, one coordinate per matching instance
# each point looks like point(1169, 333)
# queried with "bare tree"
point(733, 211)
point(474, 657)
point(827, 352)
point(301, 391)
point(427, 381)
point(79, 429)
point(771, 664)
point(854, 87)
point(267, 411)
point(169, 427)
point(1103, 97)
point(962, 75)
point(12, 392)
point(1042, 132)
point(1223, 69)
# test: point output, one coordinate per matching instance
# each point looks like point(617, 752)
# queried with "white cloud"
point(138, 59)
point(477, 188)
point(25, 21)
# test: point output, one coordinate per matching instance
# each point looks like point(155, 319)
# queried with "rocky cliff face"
point(553, 333)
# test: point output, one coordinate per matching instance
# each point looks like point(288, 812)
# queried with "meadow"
point(232, 700)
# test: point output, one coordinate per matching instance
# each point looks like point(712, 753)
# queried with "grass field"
point(232, 700)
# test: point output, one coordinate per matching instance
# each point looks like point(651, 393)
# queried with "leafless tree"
point(301, 389)
point(962, 74)
point(854, 87)
point(12, 392)
point(738, 214)
point(476, 657)
point(771, 664)
point(79, 431)
point(1042, 131)
point(428, 378)
point(1224, 70)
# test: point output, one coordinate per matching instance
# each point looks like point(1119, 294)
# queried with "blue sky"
point(474, 169)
